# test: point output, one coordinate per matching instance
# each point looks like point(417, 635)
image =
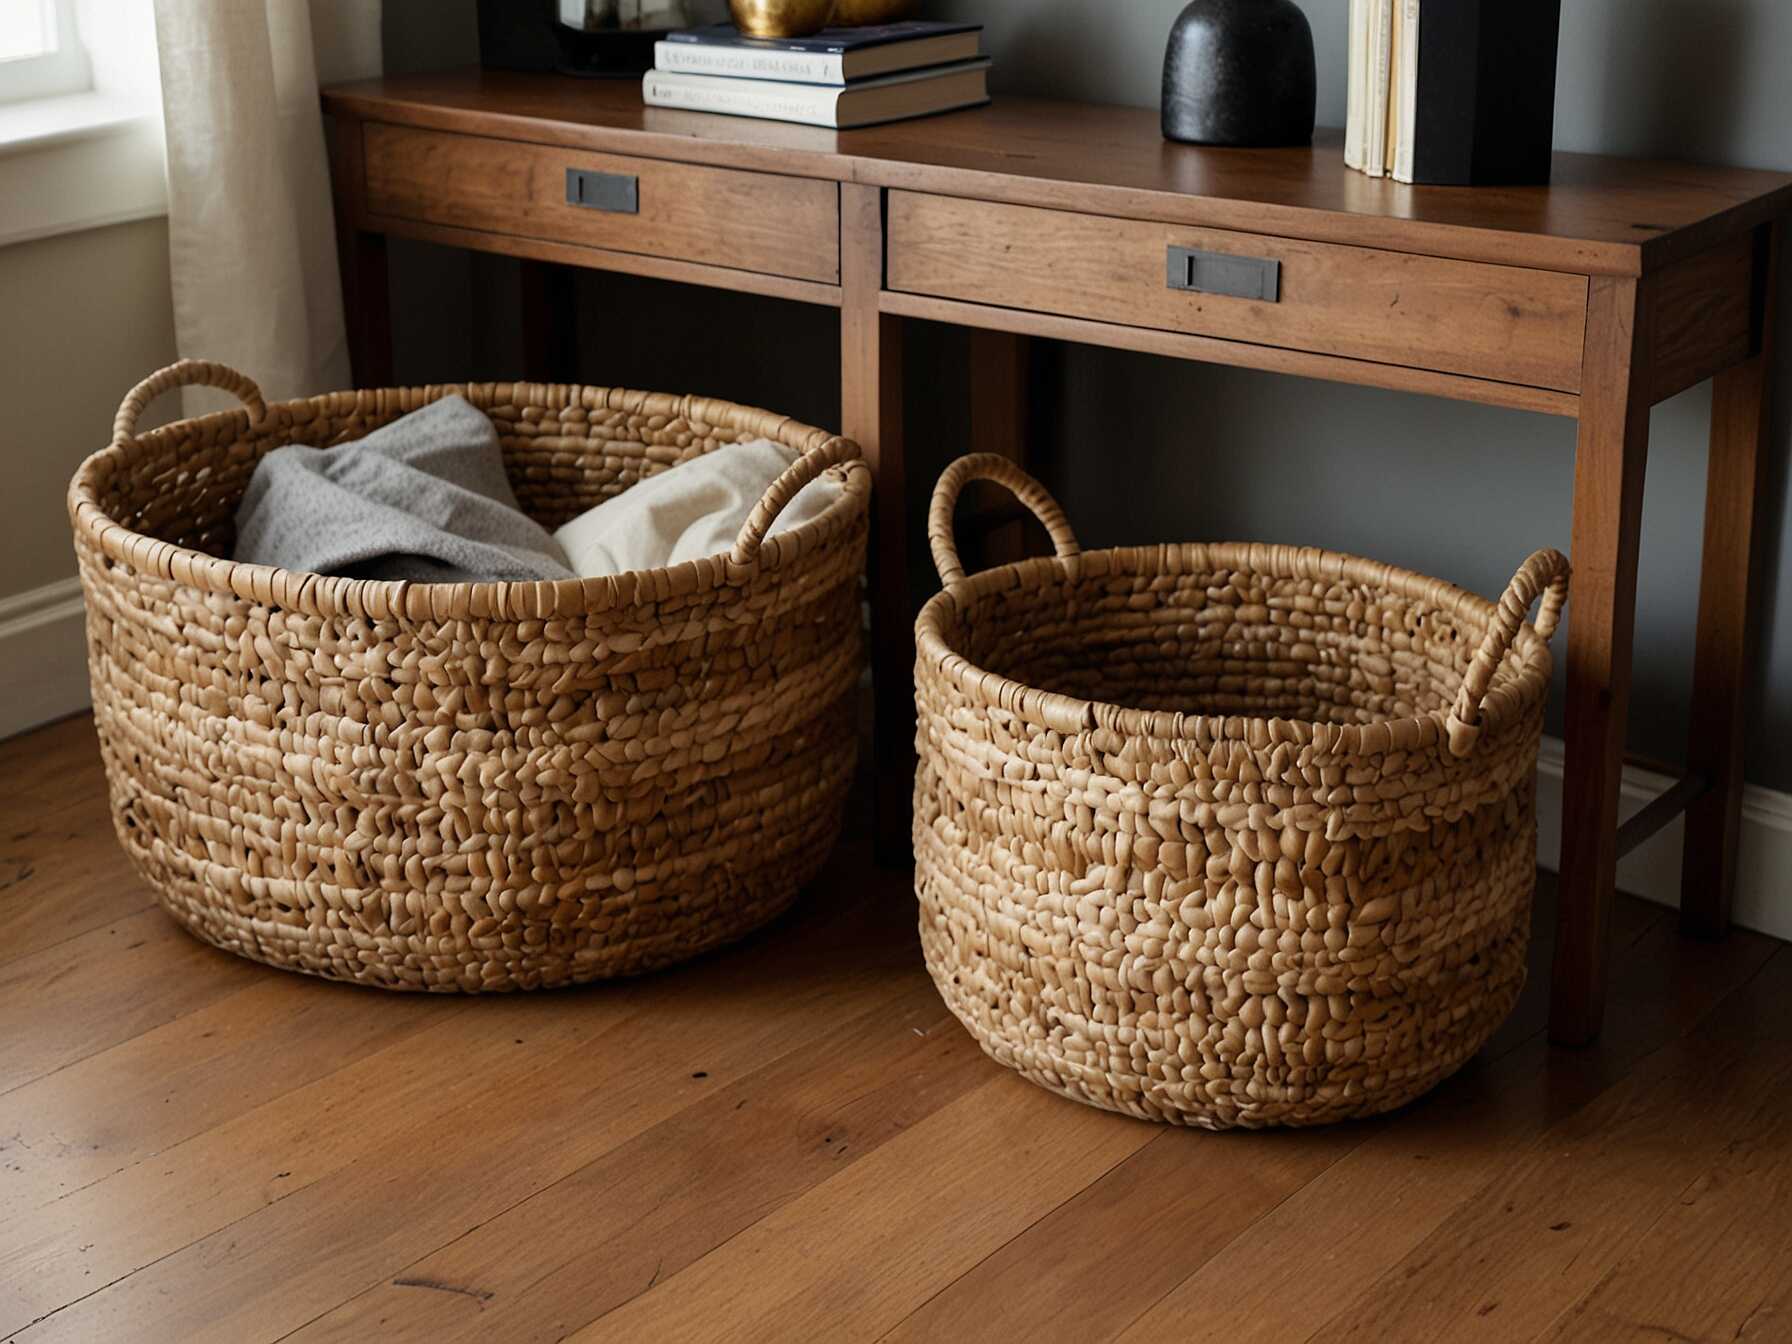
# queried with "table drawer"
point(718, 216)
point(1486, 321)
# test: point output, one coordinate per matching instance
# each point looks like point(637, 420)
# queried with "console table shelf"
point(1614, 288)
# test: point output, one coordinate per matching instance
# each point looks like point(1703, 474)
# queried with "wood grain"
point(1599, 215)
point(1610, 459)
point(335, 1202)
point(193, 1074)
point(361, 258)
point(716, 216)
point(617, 1227)
point(65, 849)
point(627, 263)
point(1737, 501)
point(1706, 317)
point(793, 1140)
point(864, 1249)
point(1712, 1264)
point(1053, 1282)
point(1382, 1200)
point(1235, 354)
point(871, 415)
point(999, 415)
point(1574, 1201)
point(1503, 323)
point(50, 989)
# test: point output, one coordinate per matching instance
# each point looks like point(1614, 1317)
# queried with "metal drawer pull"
point(619, 193)
point(1222, 273)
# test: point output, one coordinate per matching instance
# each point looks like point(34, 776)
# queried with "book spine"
point(1354, 128)
point(1381, 42)
point(795, 67)
point(741, 98)
point(1406, 101)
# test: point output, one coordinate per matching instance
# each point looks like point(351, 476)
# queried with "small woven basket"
point(1229, 835)
point(476, 786)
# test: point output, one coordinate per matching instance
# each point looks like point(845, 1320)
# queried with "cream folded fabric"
point(689, 511)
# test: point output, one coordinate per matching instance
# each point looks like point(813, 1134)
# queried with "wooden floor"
point(792, 1141)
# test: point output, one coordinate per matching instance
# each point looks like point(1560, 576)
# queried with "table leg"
point(550, 322)
point(1734, 497)
point(1609, 468)
point(361, 261)
point(871, 414)
point(999, 396)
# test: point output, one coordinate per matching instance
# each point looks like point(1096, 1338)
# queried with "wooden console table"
point(1595, 298)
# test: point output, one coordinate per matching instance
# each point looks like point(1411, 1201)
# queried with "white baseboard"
point(1763, 899)
point(43, 656)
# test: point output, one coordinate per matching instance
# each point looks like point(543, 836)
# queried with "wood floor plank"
point(791, 1139)
point(51, 766)
point(1718, 1264)
point(111, 1110)
point(77, 875)
point(599, 1068)
point(1088, 1267)
point(863, 1250)
point(1553, 1222)
point(1058, 1279)
point(642, 1213)
point(89, 993)
point(57, 842)
point(1367, 1212)
point(137, 1217)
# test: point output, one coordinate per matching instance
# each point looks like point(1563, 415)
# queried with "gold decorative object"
point(858, 13)
point(780, 18)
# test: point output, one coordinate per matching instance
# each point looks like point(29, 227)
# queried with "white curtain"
point(251, 234)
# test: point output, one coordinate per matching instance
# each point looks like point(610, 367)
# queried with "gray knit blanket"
point(425, 499)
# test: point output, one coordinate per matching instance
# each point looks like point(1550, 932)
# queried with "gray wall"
point(1144, 449)
point(85, 316)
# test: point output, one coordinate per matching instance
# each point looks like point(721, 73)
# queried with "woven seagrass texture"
point(1225, 835)
point(469, 786)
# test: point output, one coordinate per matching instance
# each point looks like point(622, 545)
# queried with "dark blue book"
point(836, 56)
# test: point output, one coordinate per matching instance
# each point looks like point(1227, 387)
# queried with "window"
point(80, 116)
point(40, 51)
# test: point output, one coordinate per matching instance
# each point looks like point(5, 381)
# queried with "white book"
point(1381, 44)
point(1355, 123)
point(915, 93)
point(1406, 99)
point(744, 60)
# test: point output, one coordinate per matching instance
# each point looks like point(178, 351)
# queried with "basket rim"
point(1513, 692)
point(330, 596)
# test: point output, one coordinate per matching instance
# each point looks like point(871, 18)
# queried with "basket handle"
point(780, 492)
point(185, 373)
point(1544, 575)
point(991, 467)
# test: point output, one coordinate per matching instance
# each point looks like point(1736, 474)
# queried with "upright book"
point(1380, 83)
point(1452, 92)
point(1484, 91)
point(1357, 96)
point(914, 93)
point(835, 56)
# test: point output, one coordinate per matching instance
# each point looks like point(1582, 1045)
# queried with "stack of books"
point(1452, 91)
point(840, 77)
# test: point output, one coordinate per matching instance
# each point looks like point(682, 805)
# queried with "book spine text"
point(796, 67)
point(778, 103)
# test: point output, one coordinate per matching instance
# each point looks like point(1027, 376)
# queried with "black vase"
point(1240, 72)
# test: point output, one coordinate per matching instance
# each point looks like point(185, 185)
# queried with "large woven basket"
point(475, 786)
point(1228, 835)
